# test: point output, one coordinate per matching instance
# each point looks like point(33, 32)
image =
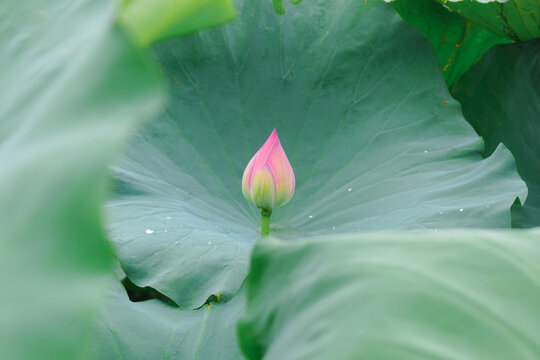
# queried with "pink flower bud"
point(268, 180)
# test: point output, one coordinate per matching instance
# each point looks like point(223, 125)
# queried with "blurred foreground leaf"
point(446, 295)
point(71, 87)
point(149, 21)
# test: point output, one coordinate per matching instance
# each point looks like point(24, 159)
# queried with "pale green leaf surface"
point(517, 20)
point(452, 295)
point(149, 21)
point(71, 85)
point(501, 99)
point(154, 330)
point(458, 42)
point(375, 144)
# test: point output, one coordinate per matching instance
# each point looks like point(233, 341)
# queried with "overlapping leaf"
point(501, 99)
point(155, 330)
point(459, 43)
point(439, 295)
point(374, 138)
point(517, 20)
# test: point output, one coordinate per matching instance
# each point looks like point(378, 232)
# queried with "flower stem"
point(265, 221)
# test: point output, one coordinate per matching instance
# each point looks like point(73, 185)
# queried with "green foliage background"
point(378, 143)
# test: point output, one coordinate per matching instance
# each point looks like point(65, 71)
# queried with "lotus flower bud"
point(268, 180)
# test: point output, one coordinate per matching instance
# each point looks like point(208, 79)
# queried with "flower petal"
point(246, 180)
point(283, 174)
point(263, 190)
point(265, 150)
point(268, 180)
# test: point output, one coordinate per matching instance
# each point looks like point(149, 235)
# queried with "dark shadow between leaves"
point(138, 294)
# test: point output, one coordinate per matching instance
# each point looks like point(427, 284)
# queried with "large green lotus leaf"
point(464, 294)
point(71, 85)
point(517, 20)
point(149, 21)
point(459, 43)
point(361, 108)
point(501, 99)
point(154, 330)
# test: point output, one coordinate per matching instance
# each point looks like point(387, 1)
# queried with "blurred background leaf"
point(501, 99)
point(150, 21)
point(518, 20)
point(458, 42)
point(442, 295)
point(71, 88)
